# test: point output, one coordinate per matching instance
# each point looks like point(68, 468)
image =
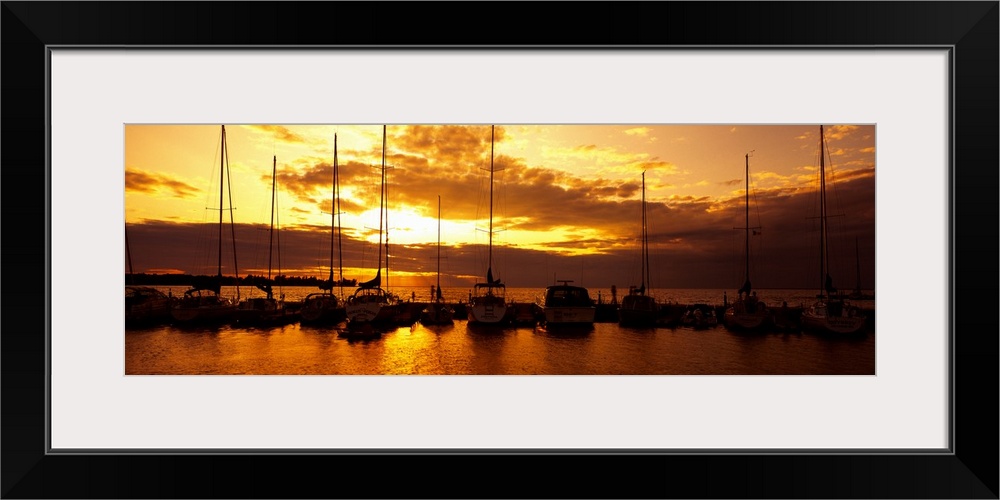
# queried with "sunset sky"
point(566, 203)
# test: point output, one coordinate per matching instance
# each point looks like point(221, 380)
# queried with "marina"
point(321, 271)
point(518, 348)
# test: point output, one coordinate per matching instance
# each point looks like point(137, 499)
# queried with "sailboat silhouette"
point(267, 309)
point(204, 302)
point(325, 307)
point(746, 312)
point(371, 305)
point(438, 312)
point(831, 313)
point(488, 305)
point(637, 308)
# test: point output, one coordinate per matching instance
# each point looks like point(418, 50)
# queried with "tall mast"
point(232, 224)
point(222, 182)
point(746, 228)
point(381, 207)
point(333, 209)
point(645, 251)
point(385, 194)
point(490, 261)
point(439, 249)
point(270, 241)
point(340, 239)
point(824, 265)
point(746, 225)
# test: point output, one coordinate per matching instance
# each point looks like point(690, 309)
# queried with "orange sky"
point(566, 200)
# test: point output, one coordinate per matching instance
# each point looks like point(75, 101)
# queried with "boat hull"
point(149, 312)
point(573, 315)
point(264, 311)
point(204, 314)
point(833, 324)
point(834, 318)
point(568, 305)
point(382, 314)
point(746, 321)
point(638, 310)
point(322, 309)
point(363, 313)
point(437, 314)
point(373, 305)
point(699, 321)
point(145, 305)
point(360, 331)
point(489, 313)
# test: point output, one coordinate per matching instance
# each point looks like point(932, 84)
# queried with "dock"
point(785, 318)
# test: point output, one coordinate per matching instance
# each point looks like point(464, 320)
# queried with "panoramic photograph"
point(499, 249)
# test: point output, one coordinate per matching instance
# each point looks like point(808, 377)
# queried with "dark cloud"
point(447, 161)
point(145, 182)
point(311, 182)
point(695, 244)
point(695, 241)
point(443, 145)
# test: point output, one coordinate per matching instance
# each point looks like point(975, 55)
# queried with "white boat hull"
point(490, 313)
point(569, 315)
point(819, 317)
point(363, 313)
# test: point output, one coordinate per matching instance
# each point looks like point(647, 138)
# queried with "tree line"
point(248, 280)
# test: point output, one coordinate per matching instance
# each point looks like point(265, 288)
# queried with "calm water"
point(606, 349)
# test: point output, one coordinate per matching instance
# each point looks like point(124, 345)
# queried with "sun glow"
point(561, 190)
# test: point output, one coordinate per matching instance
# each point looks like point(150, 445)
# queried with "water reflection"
point(462, 349)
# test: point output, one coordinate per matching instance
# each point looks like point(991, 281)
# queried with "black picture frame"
point(969, 28)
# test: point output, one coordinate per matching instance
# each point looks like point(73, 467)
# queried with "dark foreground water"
point(605, 349)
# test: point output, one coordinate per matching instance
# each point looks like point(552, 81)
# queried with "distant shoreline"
point(144, 279)
point(138, 279)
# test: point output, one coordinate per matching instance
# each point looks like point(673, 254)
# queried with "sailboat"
point(438, 312)
point(746, 312)
point(325, 307)
point(637, 308)
point(203, 302)
point(144, 305)
point(831, 313)
point(371, 305)
point(488, 304)
point(266, 309)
